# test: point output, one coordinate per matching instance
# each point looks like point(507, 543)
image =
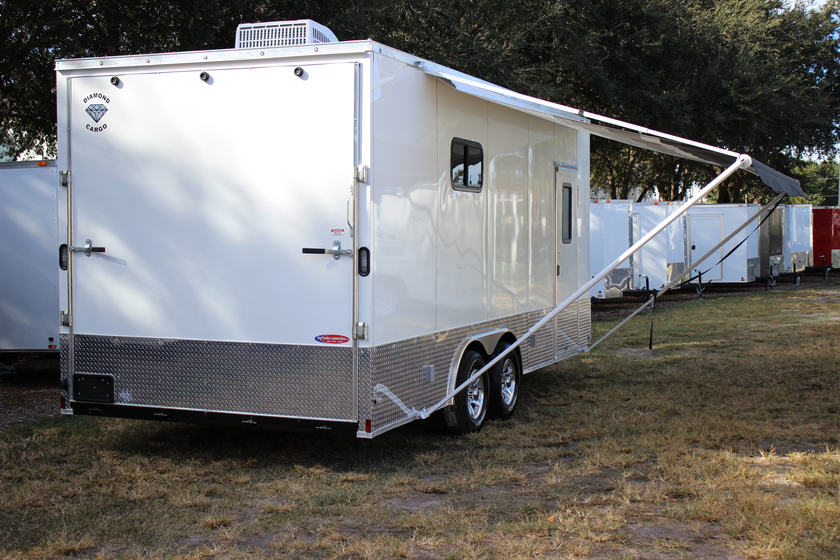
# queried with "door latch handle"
point(337, 252)
point(87, 249)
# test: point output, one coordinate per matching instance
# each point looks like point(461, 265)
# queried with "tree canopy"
point(747, 75)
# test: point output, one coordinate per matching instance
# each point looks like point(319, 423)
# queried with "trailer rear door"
point(204, 185)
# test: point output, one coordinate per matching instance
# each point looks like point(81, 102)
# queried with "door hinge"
point(360, 331)
point(64, 178)
point(65, 319)
point(362, 173)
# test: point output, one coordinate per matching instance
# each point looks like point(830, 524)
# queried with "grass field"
point(721, 443)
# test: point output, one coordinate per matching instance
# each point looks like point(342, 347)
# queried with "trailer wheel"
point(505, 378)
point(470, 408)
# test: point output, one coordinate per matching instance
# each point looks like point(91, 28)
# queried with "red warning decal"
point(332, 339)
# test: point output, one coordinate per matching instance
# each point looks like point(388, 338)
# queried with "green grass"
point(722, 440)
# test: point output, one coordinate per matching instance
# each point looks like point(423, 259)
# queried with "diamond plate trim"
point(64, 365)
point(245, 378)
point(399, 366)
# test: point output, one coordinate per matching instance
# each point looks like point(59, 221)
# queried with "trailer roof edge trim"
point(27, 164)
point(612, 129)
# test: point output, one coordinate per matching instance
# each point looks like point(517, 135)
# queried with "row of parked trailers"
point(312, 233)
point(789, 240)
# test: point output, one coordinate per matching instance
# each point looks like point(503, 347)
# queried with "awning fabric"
point(612, 129)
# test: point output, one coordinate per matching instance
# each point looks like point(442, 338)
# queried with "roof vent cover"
point(282, 34)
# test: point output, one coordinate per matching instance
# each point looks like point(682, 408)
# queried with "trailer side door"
point(705, 231)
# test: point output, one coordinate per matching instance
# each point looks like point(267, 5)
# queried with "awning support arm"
point(742, 162)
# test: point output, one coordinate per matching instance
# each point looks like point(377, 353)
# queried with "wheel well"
point(510, 339)
point(485, 344)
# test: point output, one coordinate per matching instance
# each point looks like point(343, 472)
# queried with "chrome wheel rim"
point(475, 397)
point(508, 383)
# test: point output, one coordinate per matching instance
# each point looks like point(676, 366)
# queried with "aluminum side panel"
point(462, 235)
point(508, 237)
point(402, 205)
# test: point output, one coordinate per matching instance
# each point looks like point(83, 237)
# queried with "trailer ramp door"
point(204, 188)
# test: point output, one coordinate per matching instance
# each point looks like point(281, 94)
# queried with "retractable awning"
point(612, 129)
point(621, 132)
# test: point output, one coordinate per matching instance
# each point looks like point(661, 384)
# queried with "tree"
point(746, 75)
point(741, 74)
point(820, 180)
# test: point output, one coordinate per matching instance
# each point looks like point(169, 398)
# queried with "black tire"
point(468, 413)
point(505, 378)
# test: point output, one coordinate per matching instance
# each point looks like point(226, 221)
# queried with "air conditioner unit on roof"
point(282, 34)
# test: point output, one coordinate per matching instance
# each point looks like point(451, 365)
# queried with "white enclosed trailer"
point(609, 236)
point(663, 259)
point(706, 226)
point(318, 235)
point(796, 244)
point(28, 257)
point(322, 235)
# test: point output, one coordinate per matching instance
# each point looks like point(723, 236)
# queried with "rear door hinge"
point(64, 178)
point(360, 331)
point(362, 172)
point(65, 319)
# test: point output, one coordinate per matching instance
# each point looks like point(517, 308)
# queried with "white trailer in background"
point(331, 234)
point(609, 236)
point(663, 259)
point(28, 257)
point(706, 226)
point(796, 246)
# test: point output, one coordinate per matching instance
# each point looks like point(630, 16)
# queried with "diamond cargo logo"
point(96, 111)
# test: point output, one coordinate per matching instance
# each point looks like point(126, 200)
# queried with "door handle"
point(337, 252)
point(87, 249)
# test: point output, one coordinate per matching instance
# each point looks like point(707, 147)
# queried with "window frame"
point(567, 213)
point(464, 185)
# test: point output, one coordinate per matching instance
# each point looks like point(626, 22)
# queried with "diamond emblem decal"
point(96, 111)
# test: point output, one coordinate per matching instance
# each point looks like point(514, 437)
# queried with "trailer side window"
point(567, 213)
point(466, 165)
